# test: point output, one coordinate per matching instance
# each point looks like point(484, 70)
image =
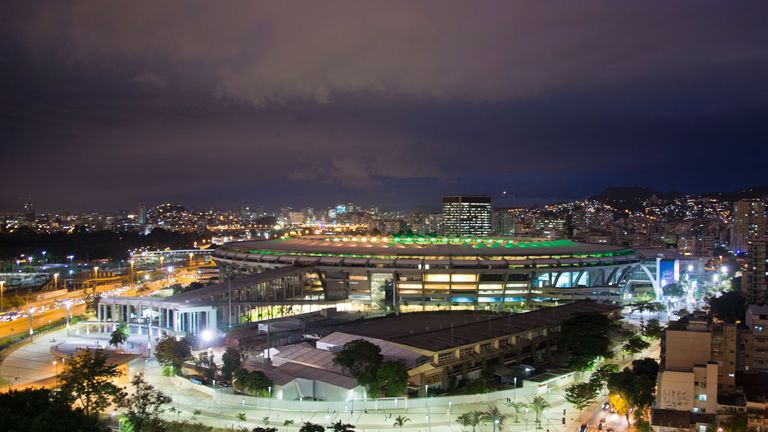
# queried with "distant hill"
point(631, 198)
point(755, 192)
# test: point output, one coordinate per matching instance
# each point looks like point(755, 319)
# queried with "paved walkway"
point(32, 364)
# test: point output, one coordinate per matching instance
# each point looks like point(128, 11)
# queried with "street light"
point(131, 284)
point(55, 281)
point(31, 311)
point(95, 272)
point(67, 304)
point(2, 304)
point(56, 367)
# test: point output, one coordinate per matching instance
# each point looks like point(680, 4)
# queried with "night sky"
point(390, 103)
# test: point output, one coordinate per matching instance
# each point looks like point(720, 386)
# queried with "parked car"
point(583, 428)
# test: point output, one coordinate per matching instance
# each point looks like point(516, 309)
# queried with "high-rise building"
point(755, 338)
point(142, 213)
point(754, 277)
point(690, 376)
point(748, 223)
point(466, 216)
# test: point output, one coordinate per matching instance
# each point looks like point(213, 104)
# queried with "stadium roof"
point(387, 246)
point(437, 331)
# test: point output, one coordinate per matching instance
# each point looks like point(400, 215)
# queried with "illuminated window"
point(464, 278)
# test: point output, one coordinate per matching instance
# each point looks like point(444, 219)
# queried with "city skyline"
point(399, 103)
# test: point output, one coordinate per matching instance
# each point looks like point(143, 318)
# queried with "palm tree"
point(471, 418)
point(400, 421)
point(465, 421)
point(538, 405)
point(494, 415)
point(518, 407)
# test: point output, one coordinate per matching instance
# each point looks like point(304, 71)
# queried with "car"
point(600, 424)
point(606, 406)
point(583, 428)
point(609, 430)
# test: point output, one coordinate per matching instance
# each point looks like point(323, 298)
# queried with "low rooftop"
point(437, 331)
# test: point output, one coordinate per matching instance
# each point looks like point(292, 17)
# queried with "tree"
point(633, 387)
point(254, 383)
point(493, 415)
point(232, 360)
point(652, 329)
point(205, 365)
point(144, 407)
point(361, 359)
point(518, 406)
point(311, 427)
point(470, 419)
point(241, 417)
point(392, 378)
point(641, 306)
point(620, 404)
point(40, 410)
point(119, 335)
point(600, 375)
point(585, 337)
point(635, 344)
point(400, 421)
point(729, 307)
point(264, 429)
point(683, 312)
point(673, 290)
point(172, 352)
point(582, 395)
point(656, 307)
point(340, 426)
point(87, 379)
point(538, 405)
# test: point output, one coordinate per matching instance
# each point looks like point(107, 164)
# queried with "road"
point(20, 326)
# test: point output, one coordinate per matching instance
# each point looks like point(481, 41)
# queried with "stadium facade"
point(265, 279)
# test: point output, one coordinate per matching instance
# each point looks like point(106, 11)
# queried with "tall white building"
point(467, 216)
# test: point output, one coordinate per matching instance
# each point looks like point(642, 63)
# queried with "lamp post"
point(426, 404)
point(495, 424)
point(56, 368)
point(55, 281)
point(95, 272)
point(514, 389)
point(131, 283)
point(31, 311)
point(170, 272)
point(526, 420)
point(66, 309)
point(2, 288)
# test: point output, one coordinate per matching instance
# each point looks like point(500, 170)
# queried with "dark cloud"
point(104, 105)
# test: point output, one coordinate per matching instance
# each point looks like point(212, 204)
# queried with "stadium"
point(281, 277)
point(402, 271)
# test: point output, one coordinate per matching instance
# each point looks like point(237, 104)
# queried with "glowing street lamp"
point(95, 272)
point(31, 330)
point(170, 272)
point(2, 286)
point(55, 281)
point(67, 304)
